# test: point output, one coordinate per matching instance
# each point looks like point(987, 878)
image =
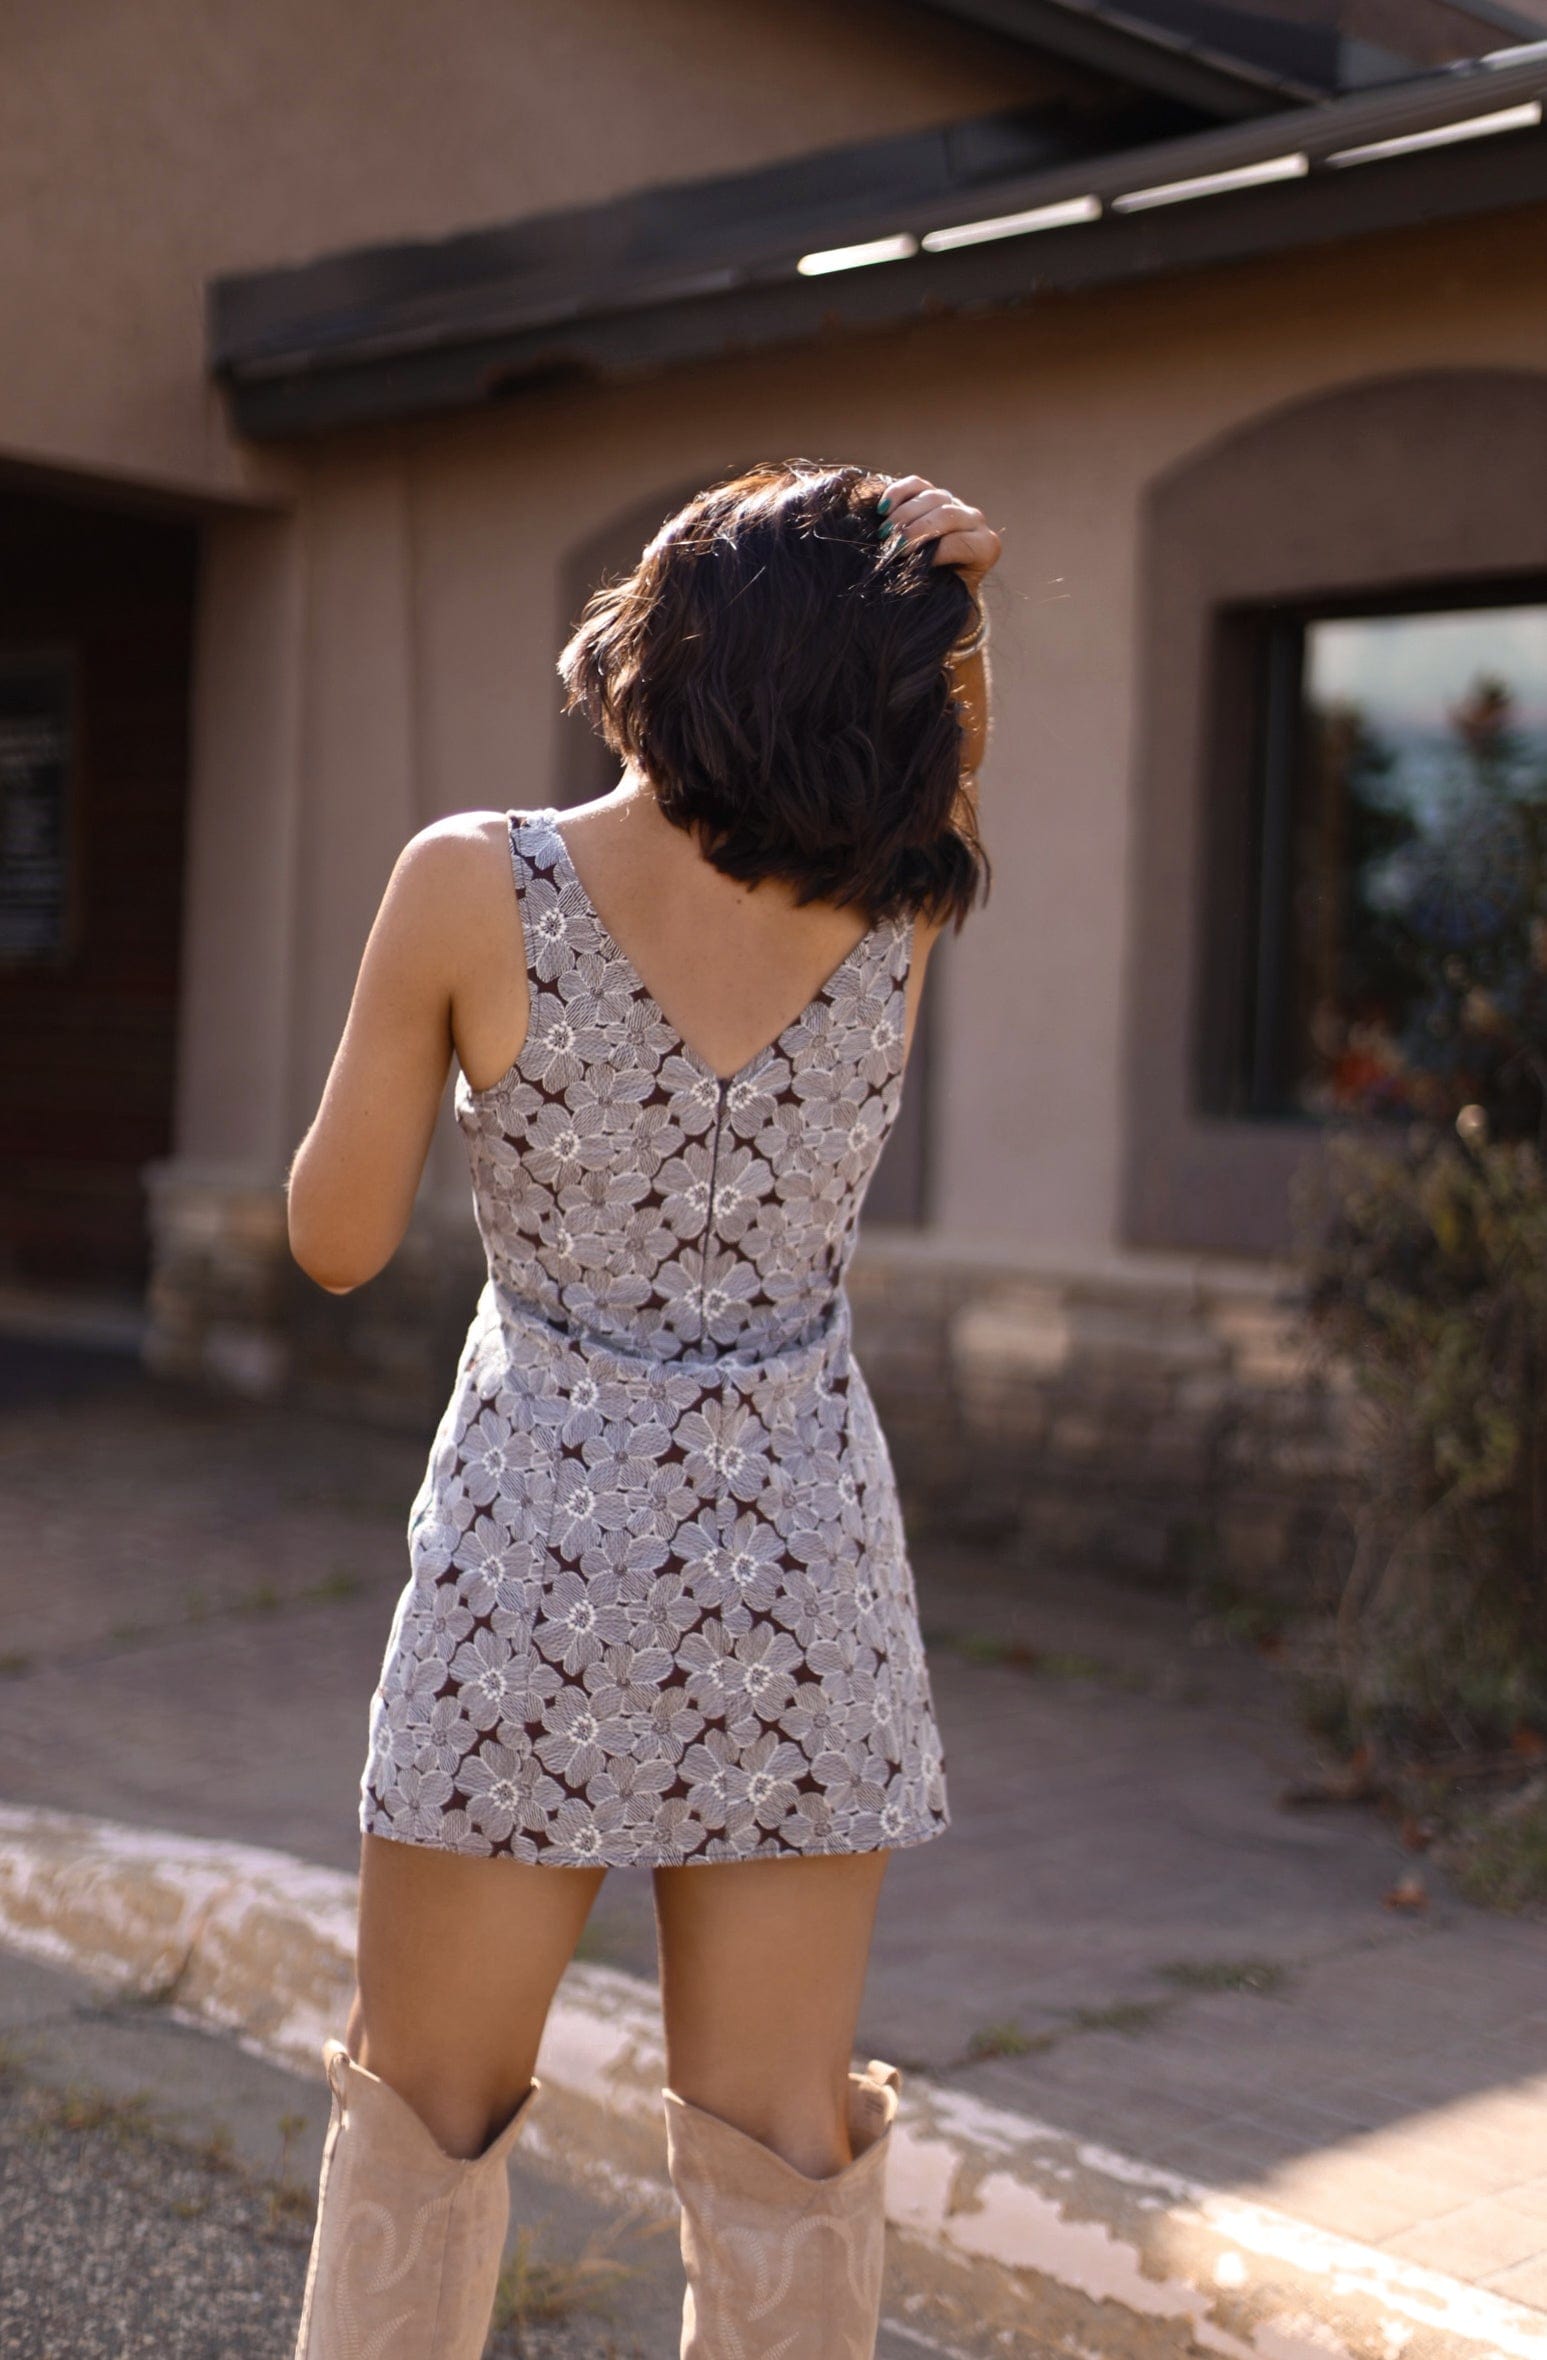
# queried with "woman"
point(660, 1609)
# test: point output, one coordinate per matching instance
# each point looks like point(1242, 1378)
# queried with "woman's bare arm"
point(354, 1177)
point(922, 511)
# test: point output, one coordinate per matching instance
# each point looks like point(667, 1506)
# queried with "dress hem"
point(920, 1832)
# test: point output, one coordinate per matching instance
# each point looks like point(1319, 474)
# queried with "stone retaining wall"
point(1157, 1413)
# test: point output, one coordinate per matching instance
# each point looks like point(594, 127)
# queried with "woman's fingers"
point(900, 488)
point(922, 511)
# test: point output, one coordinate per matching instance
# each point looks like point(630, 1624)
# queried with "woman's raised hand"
point(920, 510)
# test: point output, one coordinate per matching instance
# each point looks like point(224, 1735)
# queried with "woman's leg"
point(762, 1971)
point(457, 1962)
point(776, 2147)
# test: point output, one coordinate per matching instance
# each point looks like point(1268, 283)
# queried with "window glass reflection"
point(1417, 925)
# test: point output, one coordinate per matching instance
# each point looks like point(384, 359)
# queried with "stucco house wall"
point(379, 610)
point(427, 562)
point(145, 150)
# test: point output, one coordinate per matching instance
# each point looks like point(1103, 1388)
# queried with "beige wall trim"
point(1399, 482)
point(366, 336)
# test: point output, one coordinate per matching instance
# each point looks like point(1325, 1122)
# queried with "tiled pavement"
point(206, 1592)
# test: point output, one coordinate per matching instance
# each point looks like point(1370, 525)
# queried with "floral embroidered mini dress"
point(659, 1606)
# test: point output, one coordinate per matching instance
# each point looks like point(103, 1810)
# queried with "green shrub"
point(1426, 1274)
point(1423, 1240)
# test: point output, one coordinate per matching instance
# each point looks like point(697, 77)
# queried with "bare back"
point(730, 965)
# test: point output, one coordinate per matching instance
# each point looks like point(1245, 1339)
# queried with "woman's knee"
point(457, 1962)
point(804, 2121)
point(463, 2099)
point(762, 1973)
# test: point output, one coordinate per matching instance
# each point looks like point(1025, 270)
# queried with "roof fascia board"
point(668, 237)
point(404, 368)
point(1111, 41)
point(1500, 19)
point(1251, 226)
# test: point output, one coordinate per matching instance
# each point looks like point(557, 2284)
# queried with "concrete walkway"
point(1123, 1934)
point(159, 2181)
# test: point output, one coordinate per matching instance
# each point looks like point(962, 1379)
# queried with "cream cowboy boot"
point(406, 2251)
point(779, 2266)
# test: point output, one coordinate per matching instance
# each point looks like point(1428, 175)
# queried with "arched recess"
point(586, 768)
point(1393, 487)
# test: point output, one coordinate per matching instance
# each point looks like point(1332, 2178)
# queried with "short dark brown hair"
point(781, 676)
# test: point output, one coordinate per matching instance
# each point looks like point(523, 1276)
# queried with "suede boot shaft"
point(781, 2266)
point(406, 2250)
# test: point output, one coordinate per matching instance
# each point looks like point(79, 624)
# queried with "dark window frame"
point(1257, 707)
point(1370, 490)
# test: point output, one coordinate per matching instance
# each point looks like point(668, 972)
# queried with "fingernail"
point(883, 504)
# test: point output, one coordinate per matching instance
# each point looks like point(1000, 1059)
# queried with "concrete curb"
point(1085, 2246)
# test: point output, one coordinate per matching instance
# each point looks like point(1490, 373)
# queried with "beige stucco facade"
point(145, 150)
point(412, 602)
point(379, 609)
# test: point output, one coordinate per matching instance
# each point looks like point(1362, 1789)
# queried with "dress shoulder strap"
point(531, 861)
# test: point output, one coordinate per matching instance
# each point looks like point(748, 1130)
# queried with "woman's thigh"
point(762, 1972)
point(457, 1962)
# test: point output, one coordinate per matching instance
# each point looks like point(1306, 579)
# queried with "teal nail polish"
point(883, 504)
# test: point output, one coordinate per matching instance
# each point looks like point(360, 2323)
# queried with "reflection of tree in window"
point(1356, 968)
point(1421, 913)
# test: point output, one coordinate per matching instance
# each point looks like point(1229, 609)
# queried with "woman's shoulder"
point(457, 870)
point(461, 844)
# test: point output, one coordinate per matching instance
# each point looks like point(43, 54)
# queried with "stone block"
point(1026, 1334)
point(246, 1360)
point(1109, 1332)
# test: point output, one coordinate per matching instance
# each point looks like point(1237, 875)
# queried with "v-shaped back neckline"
point(548, 816)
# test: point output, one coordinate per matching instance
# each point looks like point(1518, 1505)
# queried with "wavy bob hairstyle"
point(781, 676)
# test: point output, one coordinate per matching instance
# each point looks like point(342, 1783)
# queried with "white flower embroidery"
point(660, 1607)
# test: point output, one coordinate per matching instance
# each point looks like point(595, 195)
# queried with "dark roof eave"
point(1112, 40)
point(658, 324)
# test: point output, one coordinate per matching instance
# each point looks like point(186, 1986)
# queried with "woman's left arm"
point(923, 511)
point(353, 1179)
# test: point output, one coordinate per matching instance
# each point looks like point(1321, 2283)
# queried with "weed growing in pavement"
point(1008, 2039)
point(288, 2200)
point(77, 2107)
point(1022, 1655)
point(1224, 1974)
point(1004, 2040)
point(342, 1582)
point(217, 2152)
point(1124, 2015)
point(534, 2289)
point(1068, 1664)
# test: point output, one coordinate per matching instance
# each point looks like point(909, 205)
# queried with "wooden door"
point(96, 611)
